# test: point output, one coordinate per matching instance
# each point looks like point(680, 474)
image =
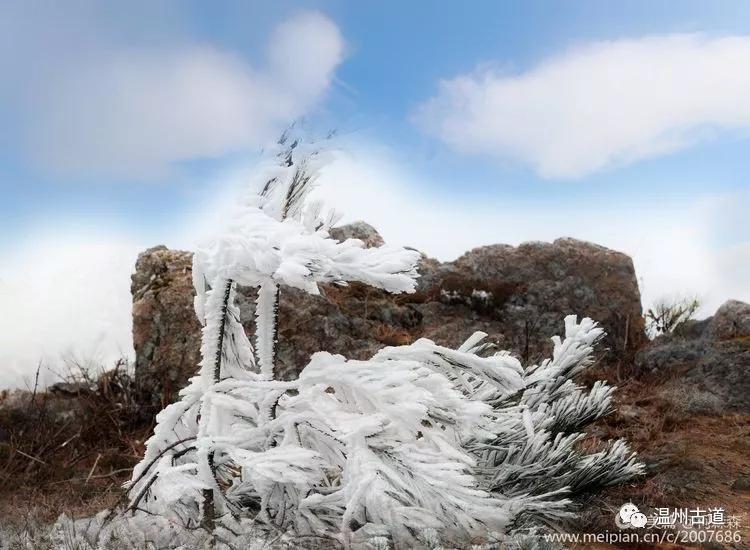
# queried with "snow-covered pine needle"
point(421, 442)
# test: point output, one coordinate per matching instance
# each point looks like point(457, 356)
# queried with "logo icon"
point(629, 516)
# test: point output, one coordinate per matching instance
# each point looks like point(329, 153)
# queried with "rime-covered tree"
point(420, 441)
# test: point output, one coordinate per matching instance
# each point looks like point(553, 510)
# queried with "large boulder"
point(518, 295)
point(732, 320)
point(523, 293)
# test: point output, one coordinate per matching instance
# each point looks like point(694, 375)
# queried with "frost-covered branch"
point(266, 337)
point(463, 444)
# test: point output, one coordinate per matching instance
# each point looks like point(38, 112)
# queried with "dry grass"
point(692, 454)
point(69, 448)
point(392, 336)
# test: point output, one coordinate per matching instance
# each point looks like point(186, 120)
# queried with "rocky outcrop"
point(166, 332)
point(732, 320)
point(709, 360)
point(524, 292)
point(358, 230)
point(518, 295)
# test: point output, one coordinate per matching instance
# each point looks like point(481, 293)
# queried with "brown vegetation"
point(693, 457)
point(69, 448)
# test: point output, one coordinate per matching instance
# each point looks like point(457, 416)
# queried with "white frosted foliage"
point(420, 442)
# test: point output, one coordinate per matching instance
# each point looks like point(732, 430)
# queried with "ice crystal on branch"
point(462, 444)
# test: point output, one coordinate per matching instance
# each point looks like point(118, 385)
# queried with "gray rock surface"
point(709, 360)
point(732, 320)
point(358, 230)
point(518, 295)
point(533, 286)
point(724, 372)
point(741, 484)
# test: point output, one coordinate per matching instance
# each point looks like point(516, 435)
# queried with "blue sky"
point(461, 124)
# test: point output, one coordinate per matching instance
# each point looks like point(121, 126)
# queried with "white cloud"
point(600, 105)
point(108, 108)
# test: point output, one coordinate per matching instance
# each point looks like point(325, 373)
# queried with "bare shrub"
point(70, 447)
point(669, 313)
